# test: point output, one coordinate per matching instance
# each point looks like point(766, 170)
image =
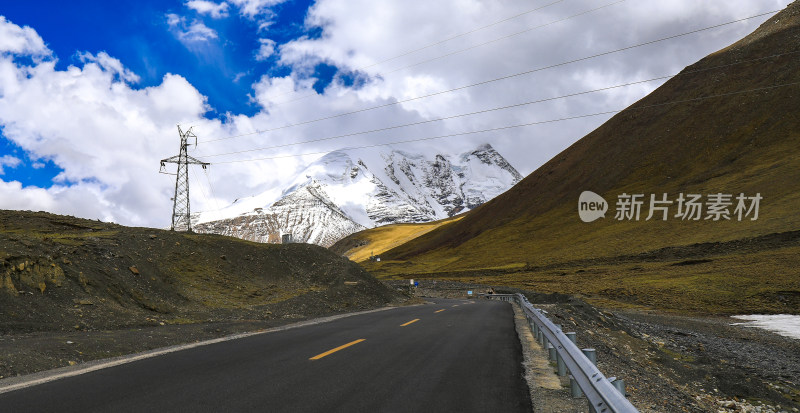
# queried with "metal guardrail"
point(603, 396)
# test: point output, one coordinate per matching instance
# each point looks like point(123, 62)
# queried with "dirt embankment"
point(64, 279)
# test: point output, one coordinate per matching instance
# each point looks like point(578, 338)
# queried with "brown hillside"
point(745, 141)
point(65, 273)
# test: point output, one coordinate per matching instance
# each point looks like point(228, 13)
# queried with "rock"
point(153, 236)
point(83, 301)
point(8, 284)
point(134, 270)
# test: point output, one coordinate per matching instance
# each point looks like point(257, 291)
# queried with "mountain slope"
point(350, 190)
point(363, 245)
point(733, 143)
point(306, 213)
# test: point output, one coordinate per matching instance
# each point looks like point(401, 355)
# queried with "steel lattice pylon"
point(181, 212)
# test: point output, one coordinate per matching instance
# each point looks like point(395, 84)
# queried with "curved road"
point(458, 356)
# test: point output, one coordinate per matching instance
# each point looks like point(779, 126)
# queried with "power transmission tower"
point(181, 213)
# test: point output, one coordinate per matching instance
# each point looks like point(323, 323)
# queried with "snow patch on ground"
point(783, 324)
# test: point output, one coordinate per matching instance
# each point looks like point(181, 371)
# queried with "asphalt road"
point(458, 356)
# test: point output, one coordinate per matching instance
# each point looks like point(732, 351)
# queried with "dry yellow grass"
point(375, 241)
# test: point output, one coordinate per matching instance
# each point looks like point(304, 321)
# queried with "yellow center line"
point(329, 352)
point(439, 311)
point(412, 321)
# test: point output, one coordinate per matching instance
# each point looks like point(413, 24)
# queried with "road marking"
point(455, 305)
point(412, 321)
point(34, 379)
point(342, 347)
point(439, 311)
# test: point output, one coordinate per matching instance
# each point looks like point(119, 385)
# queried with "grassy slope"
point(360, 246)
point(739, 143)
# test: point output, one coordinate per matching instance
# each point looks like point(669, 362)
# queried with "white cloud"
point(253, 8)
point(188, 33)
point(210, 8)
point(266, 49)
point(21, 40)
point(8, 161)
point(110, 65)
point(108, 136)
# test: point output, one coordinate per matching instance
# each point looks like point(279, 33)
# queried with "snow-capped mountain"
point(347, 191)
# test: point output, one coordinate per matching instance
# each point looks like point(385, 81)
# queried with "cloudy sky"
point(91, 90)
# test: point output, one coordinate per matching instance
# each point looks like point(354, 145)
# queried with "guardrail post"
point(551, 350)
point(561, 366)
point(574, 389)
point(590, 354)
point(573, 337)
point(619, 384)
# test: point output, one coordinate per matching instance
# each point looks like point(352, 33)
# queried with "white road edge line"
point(34, 379)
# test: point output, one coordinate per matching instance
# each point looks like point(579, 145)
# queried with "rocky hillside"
point(64, 273)
point(350, 190)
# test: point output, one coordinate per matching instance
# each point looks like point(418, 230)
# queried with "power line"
point(202, 191)
point(213, 197)
point(438, 119)
point(435, 44)
point(461, 35)
point(506, 37)
point(516, 105)
point(527, 72)
point(523, 124)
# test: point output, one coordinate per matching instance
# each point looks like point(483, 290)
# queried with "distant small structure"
point(287, 239)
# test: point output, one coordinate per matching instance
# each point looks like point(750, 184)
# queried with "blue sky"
point(138, 33)
point(84, 135)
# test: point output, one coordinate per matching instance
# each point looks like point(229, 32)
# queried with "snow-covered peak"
point(377, 186)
